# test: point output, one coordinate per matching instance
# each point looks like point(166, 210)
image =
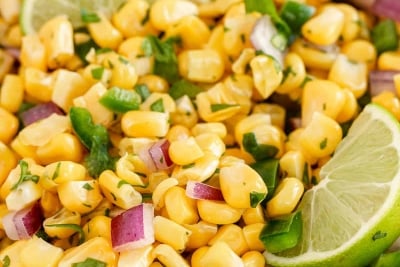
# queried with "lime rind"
point(372, 231)
point(34, 13)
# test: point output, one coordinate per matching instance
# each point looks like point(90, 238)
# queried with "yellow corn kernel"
point(249, 123)
point(14, 176)
point(276, 112)
point(251, 233)
point(61, 147)
point(67, 85)
point(9, 11)
point(239, 66)
point(197, 255)
point(104, 33)
point(7, 62)
point(167, 102)
point(267, 75)
point(193, 32)
point(155, 83)
point(185, 114)
point(390, 101)
point(215, 8)
point(57, 37)
point(50, 203)
point(23, 196)
point(351, 27)
point(321, 136)
point(199, 171)
point(99, 225)
point(90, 101)
point(125, 169)
point(202, 232)
point(12, 251)
point(103, 209)
point(217, 104)
point(60, 172)
point(201, 65)
point(350, 107)
point(171, 233)
point(8, 160)
point(389, 60)
point(131, 19)
point(321, 96)
point(238, 182)
point(210, 127)
point(123, 73)
point(168, 256)
point(11, 92)
point(293, 143)
point(220, 255)
point(23, 150)
point(33, 251)
point(38, 84)
point(218, 212)
point(13, 36)
point(89, 74)
point(240, 86)
point(160, 190)
point(293, 164)
point(360, 51)
point(295, 73)
point(238, 25)
point(8, 125)
point(97, 248)
point(165, 13)
point(118, 191)
point(253, 215)
point(326, 27)
point(253, 259)
point(315, 57)
point(52, 226)
point(137, 123)
point(286, 197)
point(181, 209)
point(134, 145)
point(139, 257)
point(396, 79)
point(177, 132)
point(216, 42)
point(233, 236)
point(185, 151)
point(211, 142)
point(80, 196)
point(350, 74)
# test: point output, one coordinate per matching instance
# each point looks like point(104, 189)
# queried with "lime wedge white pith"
point(353, 214)
point(35, 13)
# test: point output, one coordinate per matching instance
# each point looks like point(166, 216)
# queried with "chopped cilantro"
point(90, 262)
point(25, 175)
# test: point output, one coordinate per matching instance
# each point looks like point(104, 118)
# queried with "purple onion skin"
point(39, 112)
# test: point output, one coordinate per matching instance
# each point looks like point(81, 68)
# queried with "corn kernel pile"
point(240, 99)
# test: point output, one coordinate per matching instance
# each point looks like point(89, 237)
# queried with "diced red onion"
point(156, 156)
point(198, 190)
point(384, 8)
point(133, 228)
point(381, 80)
point(24, 223)
point(159, 153)
point(40, 111)
point(263, 32)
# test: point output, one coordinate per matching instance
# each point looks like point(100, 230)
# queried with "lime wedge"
point(353, 214)
point(34, 13)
